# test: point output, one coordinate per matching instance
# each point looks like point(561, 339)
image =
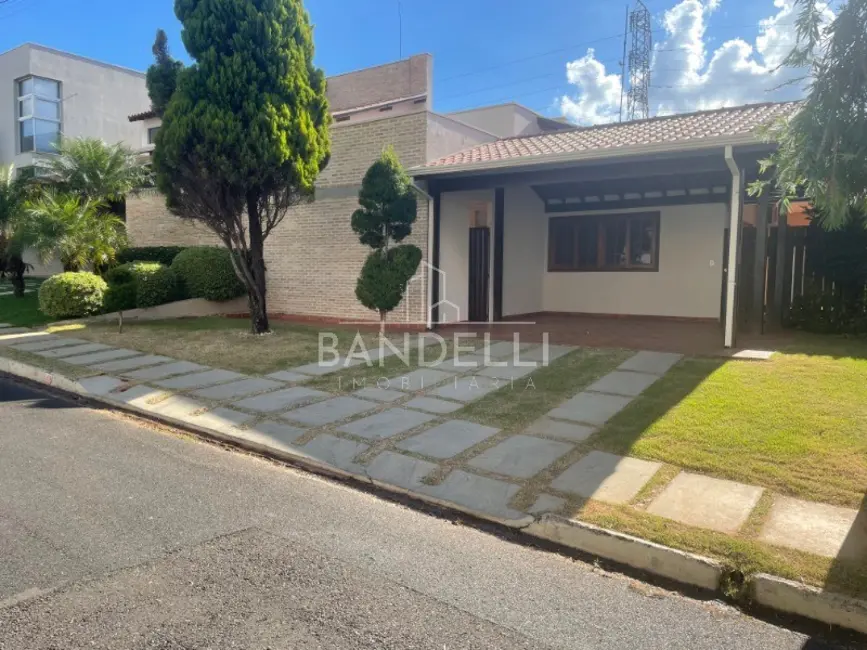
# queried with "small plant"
point(388, 210)
point(207, 272)
point(120, 298)
point(72, 295)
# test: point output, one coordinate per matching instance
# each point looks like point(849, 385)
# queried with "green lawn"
point(796, 424)
point(24, 311)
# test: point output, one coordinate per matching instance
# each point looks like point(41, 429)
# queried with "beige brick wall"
point(149, 223)
point(313, 257)
point(405, 78)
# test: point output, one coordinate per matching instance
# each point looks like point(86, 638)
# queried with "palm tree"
point(12, 197)
point(96, 171)
point(79, 232)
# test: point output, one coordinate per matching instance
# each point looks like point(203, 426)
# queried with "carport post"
point(735, 220)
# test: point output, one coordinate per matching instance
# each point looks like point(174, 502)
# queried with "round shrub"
point(155, 284)
point(120, 275)
point(120, 297)
point(207, 272)
point(72, 295)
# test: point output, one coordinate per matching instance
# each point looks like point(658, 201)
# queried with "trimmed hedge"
point(72, 295)
point(120, 297)
point(153, 283)
point(207, 272)
point(162, 254)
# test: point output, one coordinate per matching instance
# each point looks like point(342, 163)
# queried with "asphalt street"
point(117, 534)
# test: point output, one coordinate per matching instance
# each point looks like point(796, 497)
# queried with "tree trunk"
point(257, 298)
point(382, 316)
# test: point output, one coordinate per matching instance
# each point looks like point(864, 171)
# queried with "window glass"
point(562, 244)
point(47, 136)
point(27, 135)
point(46, 88)
point(642, 242)
point(25, 86)
point(615, 242)
point(47, 109)
point(152, 134)
point(588, 246)
point(25, 107)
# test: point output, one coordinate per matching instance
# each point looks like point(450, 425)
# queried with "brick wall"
point(313, 257)
point(149, 223)
point(381, 83)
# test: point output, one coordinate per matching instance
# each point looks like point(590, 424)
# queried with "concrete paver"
point(706, 502)
point(289, 376)
point(507, 372)
point(47, 343)
point(419, 379)
point(138, 396)
point(590, 408)
point(470, 388)
point(330, 410)
point(337, 452)
point(505, 349)
point(101, 385)
point(817, 528)
point(281, 399)
point(629, 384)
point(132, 363)
point(98, 357)
point(163, 371)
point(317, 370)
point(379, 394)
point(546, 503)
point(72, 350)
point(448, 439)
point(176, 406)
point(545, 426)
point(14, 330)
point(239, 388)
point(433, 405)
point(554, 353)
point(478, 493)
point(199, 379)
point(402, 471)
point(272, 434)
point(520, 456)
point(386, 424)
point(654, 363)
point(461, 364)
point(606, 477)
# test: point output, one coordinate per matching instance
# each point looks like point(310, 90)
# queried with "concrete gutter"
point(667, 563)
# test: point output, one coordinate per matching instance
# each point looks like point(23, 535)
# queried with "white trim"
point(593, 154)
point(368, 107)
point(734, 237)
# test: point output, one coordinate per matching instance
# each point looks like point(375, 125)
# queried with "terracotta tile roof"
point(146, 115)
point(599, 140)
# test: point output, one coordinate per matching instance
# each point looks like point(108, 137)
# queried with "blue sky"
point(485, 51)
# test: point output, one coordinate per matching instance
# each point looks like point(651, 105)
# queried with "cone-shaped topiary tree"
point(388, 210)
point(162, 76)
point(245, 133)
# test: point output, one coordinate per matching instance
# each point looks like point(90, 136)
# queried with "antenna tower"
point(638, 96)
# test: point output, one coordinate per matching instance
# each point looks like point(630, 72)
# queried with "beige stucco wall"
point(688, 283)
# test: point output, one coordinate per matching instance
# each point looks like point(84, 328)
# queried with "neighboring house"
point(46, 94)
point(314, 258)
point(640, 218)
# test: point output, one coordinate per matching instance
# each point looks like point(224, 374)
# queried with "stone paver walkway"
point(408, 433)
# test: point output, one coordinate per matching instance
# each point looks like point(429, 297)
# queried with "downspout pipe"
point(430, 244)
point(734, 239)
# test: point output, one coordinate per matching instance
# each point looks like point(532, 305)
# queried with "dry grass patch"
point(219, 342)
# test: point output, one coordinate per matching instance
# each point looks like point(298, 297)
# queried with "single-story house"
point(638, 218)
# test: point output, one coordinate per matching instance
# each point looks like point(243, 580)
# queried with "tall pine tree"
point(245, 133)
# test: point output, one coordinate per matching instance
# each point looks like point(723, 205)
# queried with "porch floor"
point(635, 332)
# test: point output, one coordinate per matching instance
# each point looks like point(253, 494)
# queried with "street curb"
point(686, 568)
point(637, 553)
point(803, 600)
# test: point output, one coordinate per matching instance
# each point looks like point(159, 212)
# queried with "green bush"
point(155, 284)
point(120, 275)
point(120, 297)
point(162, 254)
point(207, 272)
point(72, 295)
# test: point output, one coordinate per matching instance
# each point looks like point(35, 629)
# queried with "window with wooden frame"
point(605, 242)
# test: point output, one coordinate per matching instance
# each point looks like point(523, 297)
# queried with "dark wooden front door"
point(480, 261)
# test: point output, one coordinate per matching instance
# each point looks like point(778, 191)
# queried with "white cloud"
point(685, 76)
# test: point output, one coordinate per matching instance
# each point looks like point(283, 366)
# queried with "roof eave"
point(593, 154)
